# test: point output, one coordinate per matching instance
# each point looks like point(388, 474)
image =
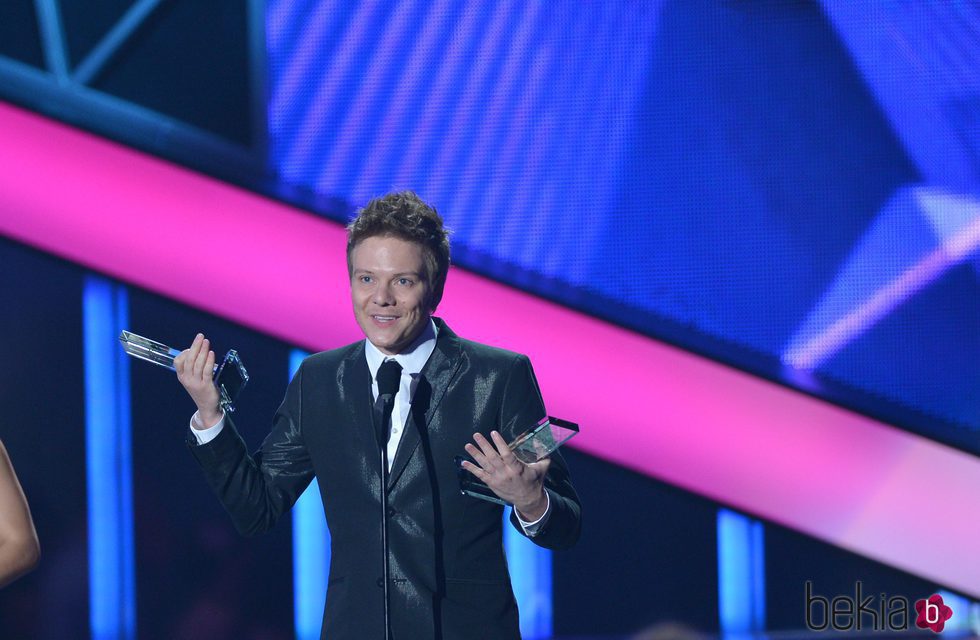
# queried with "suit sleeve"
point(522, 407)
point(257, 489)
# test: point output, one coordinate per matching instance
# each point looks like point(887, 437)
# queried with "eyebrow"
point(417, 274)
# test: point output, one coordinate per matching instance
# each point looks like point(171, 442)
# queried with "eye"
point(365, 279)
point(406, 282)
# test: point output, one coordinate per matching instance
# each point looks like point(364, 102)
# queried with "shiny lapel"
point(354, 380)
point(437, 374)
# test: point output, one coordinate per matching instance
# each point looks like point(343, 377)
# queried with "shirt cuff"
point(531, 529)
point(204, 436)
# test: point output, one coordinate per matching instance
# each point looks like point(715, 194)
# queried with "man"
point(448, 573)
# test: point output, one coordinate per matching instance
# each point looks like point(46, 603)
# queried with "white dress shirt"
point(411, 360)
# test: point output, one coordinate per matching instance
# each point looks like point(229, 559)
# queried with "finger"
point(477, 455)
point(476, 471)
point(506, 455)
point(493, 461)
point(204, 373)
point(180, 361)
point(195, 347)
point(541, 466)
point(188, 355)
point(485, 446)
point(209, 364)
point(193, 357)
point(200, 358)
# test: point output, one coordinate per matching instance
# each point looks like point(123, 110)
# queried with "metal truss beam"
point(129, 123)
point(110, 44)
point(64, 93)
point(52, 31)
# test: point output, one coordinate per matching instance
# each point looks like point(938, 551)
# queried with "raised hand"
point(515, 482)
point(195, 371)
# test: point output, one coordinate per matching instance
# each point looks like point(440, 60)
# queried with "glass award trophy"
point(533, 445)
point(230, 376)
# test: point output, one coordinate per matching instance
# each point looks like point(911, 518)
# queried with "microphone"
point(389, 379)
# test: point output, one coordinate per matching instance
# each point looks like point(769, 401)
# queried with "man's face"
point(389, 292)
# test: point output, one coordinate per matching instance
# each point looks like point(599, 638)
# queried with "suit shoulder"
point(489, 354)
point(333, 357)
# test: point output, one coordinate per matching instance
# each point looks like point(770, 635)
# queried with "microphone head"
point(389, 378)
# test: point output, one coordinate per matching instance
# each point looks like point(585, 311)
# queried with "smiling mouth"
point(384, 319)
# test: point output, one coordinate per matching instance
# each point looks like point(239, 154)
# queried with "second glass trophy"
point(230, 375)
point(533, 445)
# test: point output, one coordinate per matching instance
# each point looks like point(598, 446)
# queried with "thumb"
point(541, 466)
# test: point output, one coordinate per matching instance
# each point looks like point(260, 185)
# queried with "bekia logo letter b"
point(932, 613)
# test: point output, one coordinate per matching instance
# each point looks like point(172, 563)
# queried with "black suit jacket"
point(449, 574)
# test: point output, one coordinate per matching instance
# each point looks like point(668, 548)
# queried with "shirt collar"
point(411, 359)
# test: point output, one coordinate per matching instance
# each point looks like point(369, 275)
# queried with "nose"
point(383, 296)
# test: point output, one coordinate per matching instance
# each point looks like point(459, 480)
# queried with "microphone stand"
point(388, 378)
point(388, 403)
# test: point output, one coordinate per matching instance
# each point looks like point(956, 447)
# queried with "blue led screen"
point(787, 186)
